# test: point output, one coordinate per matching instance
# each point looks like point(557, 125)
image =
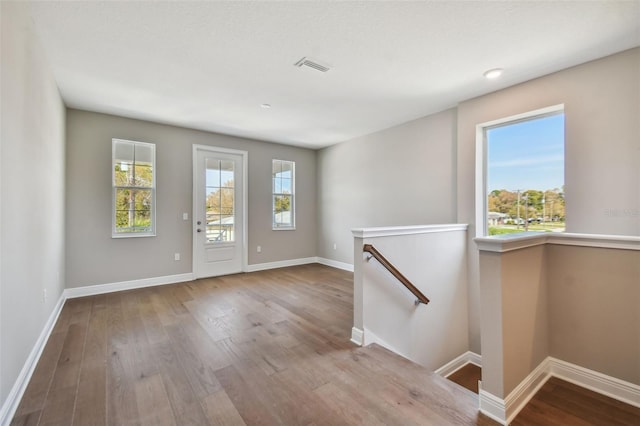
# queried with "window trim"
point(482, 228)
point(114, 189)
point(291, 227)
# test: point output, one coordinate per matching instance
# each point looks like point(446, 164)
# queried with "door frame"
point(245, 201)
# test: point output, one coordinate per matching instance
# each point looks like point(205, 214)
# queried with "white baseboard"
point(620, 390)
point(522, 394)
point(71, 293)
point(280, 264)
point(492, 406)
point(335, 264)
point(459, 362)
point(504, 411)
point(357, 336)
point(10, 405)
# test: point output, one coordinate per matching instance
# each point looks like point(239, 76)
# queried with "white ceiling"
point(210, 65)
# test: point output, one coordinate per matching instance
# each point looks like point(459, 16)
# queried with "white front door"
point(219, 210)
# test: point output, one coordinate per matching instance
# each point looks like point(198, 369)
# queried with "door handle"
point(199, 222)
point(199, 230)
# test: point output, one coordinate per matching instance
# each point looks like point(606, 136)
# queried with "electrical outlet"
point(259, 249)
point(335, 246)
point(176, 256)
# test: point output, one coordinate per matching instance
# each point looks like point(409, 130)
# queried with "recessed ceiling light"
point(494, 73)
point(265, 106)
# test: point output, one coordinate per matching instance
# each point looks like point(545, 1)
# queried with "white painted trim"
point(623, 242)
point(612, 387)
point(357, 336)
point(504, 411)
point(459, 362)
point(281, 264)
point(369, 338)
point(10, 405)
point(491, 406)
point(335, 264)
point(481, 163)
point(510, 242)
point(92, 290)
point(526, 389)
point(407, 230)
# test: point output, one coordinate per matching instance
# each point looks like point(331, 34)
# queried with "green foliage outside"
point(530, 210)
point(282, 203)
point(220, 202)
point(133, 197)
point(530, 205)
point(494, 230)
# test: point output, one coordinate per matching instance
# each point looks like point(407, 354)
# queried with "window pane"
point(213, 173)
point(143, 154)
point(226, 198)
point(142, 221)
point(286, 186)
point(277, 167)
point(123, 198)
point(226, 173)
point(122, 220)
point(143, 176)
point(525, 176)
point(123, 152)
point(283, 175)
point(287, 169)
point(213, 200)
point(282, 210)
point(133, 180)
point(213, 231)
point(143, 199)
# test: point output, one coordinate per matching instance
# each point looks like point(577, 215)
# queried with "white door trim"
point(245, 200)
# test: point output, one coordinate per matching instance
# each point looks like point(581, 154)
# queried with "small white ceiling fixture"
point(265, 106)
point(306, 62)
point(206, 65)
point(493, 73)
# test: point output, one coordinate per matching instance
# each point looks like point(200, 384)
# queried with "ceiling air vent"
point(306, 62)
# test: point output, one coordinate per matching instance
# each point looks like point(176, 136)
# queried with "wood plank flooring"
point(561, 403)
point(263, 348)
point(467, 377)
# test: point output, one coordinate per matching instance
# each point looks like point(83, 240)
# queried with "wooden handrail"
point(420, 298)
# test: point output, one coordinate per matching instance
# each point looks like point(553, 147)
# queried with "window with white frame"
point(283, 184)
point(134, 187)
point(523, 173)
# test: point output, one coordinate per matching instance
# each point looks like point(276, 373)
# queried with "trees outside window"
point(133, 179)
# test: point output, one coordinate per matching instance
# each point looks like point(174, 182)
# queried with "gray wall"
point(93, 257)
point(594, 308)
point(31, 194)
point(602, 149)
point(577, 304)
point(404, 175)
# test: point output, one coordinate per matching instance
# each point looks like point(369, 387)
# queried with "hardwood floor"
point(467, 377)
point(263, 348)
point(561, 403)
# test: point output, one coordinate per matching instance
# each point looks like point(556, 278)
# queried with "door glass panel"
point(226, 173)
point(220, 200)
